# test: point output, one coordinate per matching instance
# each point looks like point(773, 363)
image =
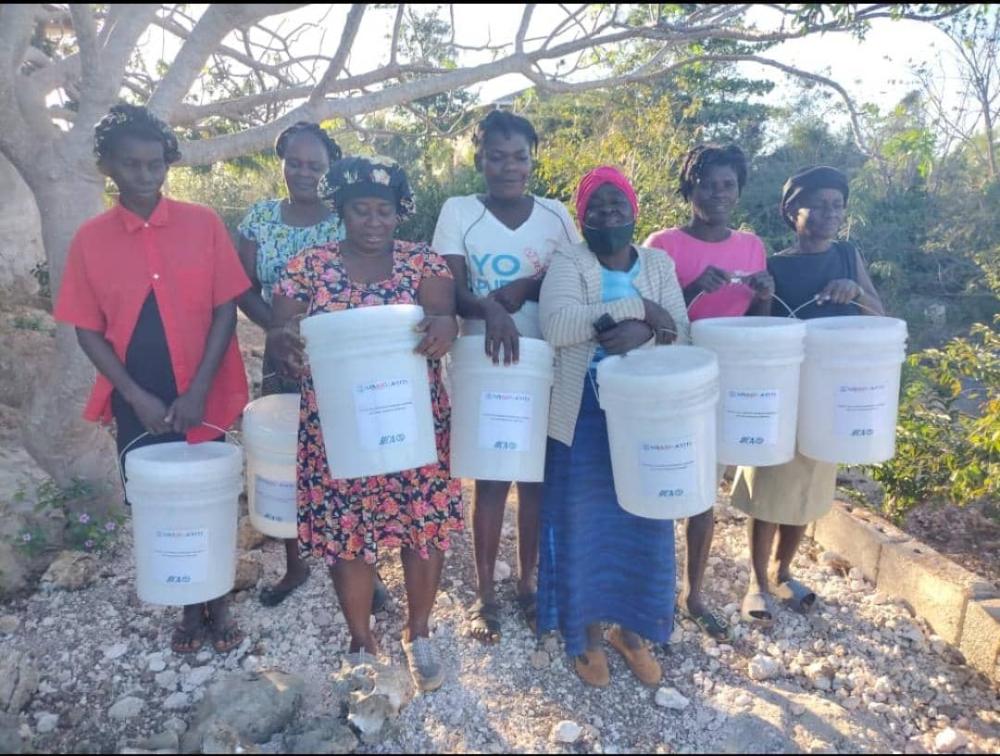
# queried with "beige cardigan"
point(570, 302)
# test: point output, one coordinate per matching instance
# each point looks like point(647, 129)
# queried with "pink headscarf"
point(590, 183)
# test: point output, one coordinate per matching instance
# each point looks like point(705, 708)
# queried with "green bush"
point(948, 436)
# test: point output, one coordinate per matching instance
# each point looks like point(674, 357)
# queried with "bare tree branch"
point(347, 37)
point(397, 24)
point(522, 31)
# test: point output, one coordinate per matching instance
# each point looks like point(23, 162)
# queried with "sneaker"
point(426, 670)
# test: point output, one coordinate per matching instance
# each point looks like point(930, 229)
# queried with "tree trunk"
point(63, 444)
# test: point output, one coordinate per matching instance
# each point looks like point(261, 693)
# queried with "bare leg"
point(529, 506)
point(354, 582)
point(225, 633)
point(296, 573)
point(788, 545)
point(487, 524)
point(699, 532)
point(761, 537)
point(422, 577)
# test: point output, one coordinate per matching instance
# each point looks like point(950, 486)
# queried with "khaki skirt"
point(795, 493)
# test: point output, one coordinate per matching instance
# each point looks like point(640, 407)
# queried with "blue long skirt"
point(598, 563)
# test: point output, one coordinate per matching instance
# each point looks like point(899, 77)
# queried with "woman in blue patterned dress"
point(274, 231)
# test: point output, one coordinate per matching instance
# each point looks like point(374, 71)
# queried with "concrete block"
point(857, 535)
point(981, 636)
point(936, 588)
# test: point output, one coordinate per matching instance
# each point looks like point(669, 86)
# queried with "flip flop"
point(713, 624)
point(485, 619)
point(756, 609)
point(272, 595)
point(186, 641)
point(219, 635)
point(796, 596)
point(528, 604)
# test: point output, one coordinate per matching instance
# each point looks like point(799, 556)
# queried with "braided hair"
point(706, 156)
point(135, 121)
point(506, 123)
point(333, 150)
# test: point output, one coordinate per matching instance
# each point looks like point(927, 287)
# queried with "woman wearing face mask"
point(598, 563)
point(498, 246)
point(724, 274)
point(817, 277)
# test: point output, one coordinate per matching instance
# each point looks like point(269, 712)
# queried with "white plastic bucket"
point(759, 363)
point(849, 397)
point(185, 504)
point(660, 405)
point(372, 389)
point(270, 437)
point(500, 414)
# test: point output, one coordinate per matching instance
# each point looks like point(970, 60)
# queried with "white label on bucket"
point(274, 500)
point(667, 469)
point(385, 412)
point(505, 421)
point(180, 557)
point(750, 418)
point(860, 410)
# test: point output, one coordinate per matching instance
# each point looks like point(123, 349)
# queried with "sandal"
point(226, 638)
point(187, 640)
point(592, 667)
point(273, 595)
point(796, 596)
point(711, 623)
point(485, 619)
point(639, 660)
point(756, 608)
point(528, 604)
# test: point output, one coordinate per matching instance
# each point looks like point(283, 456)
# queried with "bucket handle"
point(120, 459)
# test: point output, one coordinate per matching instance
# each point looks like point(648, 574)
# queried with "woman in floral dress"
point(350, 522)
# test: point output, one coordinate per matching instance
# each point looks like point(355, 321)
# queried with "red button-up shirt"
point(184, 255)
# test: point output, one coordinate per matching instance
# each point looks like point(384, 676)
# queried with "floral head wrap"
point(354, 177)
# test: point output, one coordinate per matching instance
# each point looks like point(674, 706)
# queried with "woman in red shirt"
point(151, 286)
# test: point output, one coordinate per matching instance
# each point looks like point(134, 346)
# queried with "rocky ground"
point(93, 673)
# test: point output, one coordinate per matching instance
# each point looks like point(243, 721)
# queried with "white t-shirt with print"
point(496, 255)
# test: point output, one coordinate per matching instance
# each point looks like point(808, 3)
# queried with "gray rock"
point(764, 668)
point(196, 678)
point(126, 708)
point(253, 706)
point(670, 698)
point(18, 682)
point(325, 736)
point(566, 731)
point(10, 735)
point(949, 741)
point(540, 660)
point(117, 651)
point(167, 740)
point(167, 679)
point(9, 624)
point(72, 571)
point(249, 571)
point(177, 702)
point(155, 663)
point(47, 722)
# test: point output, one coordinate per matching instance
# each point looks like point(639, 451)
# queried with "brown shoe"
point(639, 660)
point(592, 667)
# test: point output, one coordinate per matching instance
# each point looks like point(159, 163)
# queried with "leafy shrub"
point(948, 436)
point(84, 532)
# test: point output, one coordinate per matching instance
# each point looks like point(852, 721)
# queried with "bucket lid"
point(470, 351)
point(740, 331)
point(671, 368)
point(362, 325)
point(272, 421)
point(181, 462)
point(855, 330)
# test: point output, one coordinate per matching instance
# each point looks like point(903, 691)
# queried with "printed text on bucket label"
point(750, 417)
point(180, 557)
point(274, 500)
point(505, 420)
point(667, 469)
point(385, 413)
point(860, 410)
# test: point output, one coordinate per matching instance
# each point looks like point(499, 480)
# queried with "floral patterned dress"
point(352, 519)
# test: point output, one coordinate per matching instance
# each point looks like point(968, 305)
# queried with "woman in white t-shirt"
point(500, 243)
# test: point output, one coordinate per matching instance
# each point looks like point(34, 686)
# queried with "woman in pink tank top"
point(723, 273)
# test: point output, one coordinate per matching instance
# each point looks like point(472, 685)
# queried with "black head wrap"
point(133, 120)
point(814, 177)
point(354, 177)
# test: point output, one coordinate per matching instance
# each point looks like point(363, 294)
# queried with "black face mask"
point(604, 241)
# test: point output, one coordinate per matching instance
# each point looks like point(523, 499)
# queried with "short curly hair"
point(506, 123)
point(135, 121)
point(333, 151)
point(706, 156)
